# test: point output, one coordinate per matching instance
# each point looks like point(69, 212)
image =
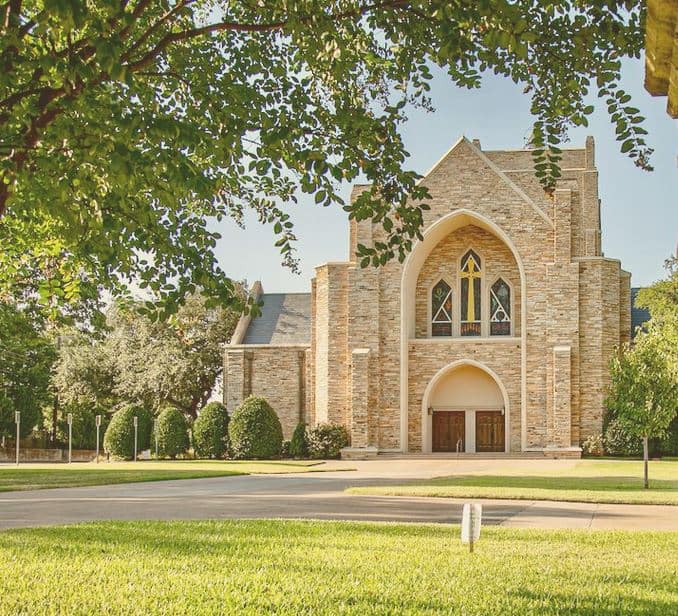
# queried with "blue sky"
point(639, 209)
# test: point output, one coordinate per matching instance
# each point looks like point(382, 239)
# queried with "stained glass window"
point(471, 272)
point(441, 309)
point(500, 309)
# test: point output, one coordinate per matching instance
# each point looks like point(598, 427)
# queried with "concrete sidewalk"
point(311, 496)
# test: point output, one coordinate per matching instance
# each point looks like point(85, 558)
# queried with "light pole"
point(155, 431)
point(70, 437)
point(97, 421)
point(17, 421)
point(136, 429)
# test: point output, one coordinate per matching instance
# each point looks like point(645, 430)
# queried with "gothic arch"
point(410, 272)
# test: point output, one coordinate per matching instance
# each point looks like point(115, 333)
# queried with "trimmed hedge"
point(210, 432)
point(255, 430)
point(299, 442)
point(327, 440)
point(119, 437)
point(172, 433)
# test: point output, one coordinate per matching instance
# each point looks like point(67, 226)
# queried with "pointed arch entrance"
point(465, 408)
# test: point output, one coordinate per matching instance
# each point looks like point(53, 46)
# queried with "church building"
point(494, 336)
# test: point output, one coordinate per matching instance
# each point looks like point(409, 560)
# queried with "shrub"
point(84, 427)
point(210, 432)
point(593, 446)
point(255, 430)
point(171, 433)
point(619, 443)
point(285, 450)
point(299, 442)
point(668, 446)
point(119, 437)
point(327, 440)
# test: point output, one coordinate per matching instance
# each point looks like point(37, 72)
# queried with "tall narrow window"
point(441, 309)
point(471, 273)
point(500, 309)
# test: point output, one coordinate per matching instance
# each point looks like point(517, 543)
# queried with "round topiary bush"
point(171, 433)
point(299, 442)
point(255, 430)
point(327, 440)
point(210, 432)
point(119, 437)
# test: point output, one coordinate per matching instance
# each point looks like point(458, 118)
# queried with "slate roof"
point(638, 315)
point(285, 319)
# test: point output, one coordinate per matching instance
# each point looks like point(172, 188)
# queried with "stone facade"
point(366, 356)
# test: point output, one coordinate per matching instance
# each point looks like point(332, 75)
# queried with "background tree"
point(644, 391)
point(126, 125)
point(26, 357)
point(156, 363)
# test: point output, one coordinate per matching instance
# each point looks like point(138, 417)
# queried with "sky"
point(639, 209)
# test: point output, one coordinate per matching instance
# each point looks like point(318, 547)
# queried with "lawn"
point(39, 476)
point(591, 481)
point(293, 567)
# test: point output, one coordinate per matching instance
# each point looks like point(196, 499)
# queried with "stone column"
point(560, 423)
point(234, 379)
point(359, 398)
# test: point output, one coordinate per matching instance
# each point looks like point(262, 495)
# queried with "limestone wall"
point(277, 373)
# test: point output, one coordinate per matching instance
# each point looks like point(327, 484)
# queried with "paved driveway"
point(318, 496)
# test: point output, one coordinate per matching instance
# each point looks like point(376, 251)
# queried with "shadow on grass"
point(258, 551)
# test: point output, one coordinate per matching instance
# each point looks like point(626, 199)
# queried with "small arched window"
point(471, 273)
point(500, 309)
point(441, 309)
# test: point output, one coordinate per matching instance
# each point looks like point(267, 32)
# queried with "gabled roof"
point(285, 319)
point(464, 142)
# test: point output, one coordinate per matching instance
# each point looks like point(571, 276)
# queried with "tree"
point(141, 360)
point(27, 354)
point(644, 390)
point(126, 125)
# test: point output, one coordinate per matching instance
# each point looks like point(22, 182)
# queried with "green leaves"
point(125, 128)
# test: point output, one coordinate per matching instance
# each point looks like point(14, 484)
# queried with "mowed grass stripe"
point(41, 476)
point(591, 481)
point(291, 567)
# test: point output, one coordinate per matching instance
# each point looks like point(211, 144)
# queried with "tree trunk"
point(646, 481)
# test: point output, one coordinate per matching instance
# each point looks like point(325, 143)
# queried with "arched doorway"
point(410, 272)
point(465, 409)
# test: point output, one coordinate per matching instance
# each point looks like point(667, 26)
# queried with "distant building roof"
point(638, 315)
point(285, 319)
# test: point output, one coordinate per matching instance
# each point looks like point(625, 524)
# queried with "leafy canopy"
point(27, 354)
point(126, 126)
point(157, 363)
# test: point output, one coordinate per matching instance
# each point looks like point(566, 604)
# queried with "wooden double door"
point(449, 431)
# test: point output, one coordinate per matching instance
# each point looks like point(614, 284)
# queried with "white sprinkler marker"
point(471, 518)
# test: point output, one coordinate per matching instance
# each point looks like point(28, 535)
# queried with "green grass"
point(293, 567)
point(590, 481)
point(39, 476)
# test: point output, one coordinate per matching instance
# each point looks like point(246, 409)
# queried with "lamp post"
point(136, 430)
point(97, 421)
point(155, 431)
point(70, 437)
point(17, 421)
